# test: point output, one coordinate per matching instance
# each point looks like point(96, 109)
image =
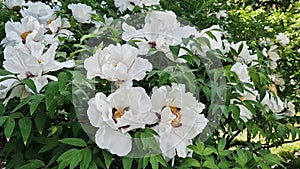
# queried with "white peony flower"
point(215, 43)
point(160, 31)
point(290, 109)
point(273, 102)
point(130, 4)
point(115, 115)
point(117, 63)
point(14, 4)
point(242, 71)
point(59, 26)
point(81, 12)
point(298, 50)
point(245, 114)
point(244, 55)
point(221, 14)
point(29, 61)
point(42, 12)
point(29, 29)
point(180, 119)
point(273, 55)
point(7, 85)
point(282, 39)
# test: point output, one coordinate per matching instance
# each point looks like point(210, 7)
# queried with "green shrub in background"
point(43, 130)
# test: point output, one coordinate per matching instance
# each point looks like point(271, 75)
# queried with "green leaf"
point(9, 127)
point(190, 162)
point(25, 126)
point(86, 158)
point(51, 92)
point(107, 158)
point(235, 111)
point(48, 147)
point(153, 162)
point(2, 120)
point(25, 101)
point(74, 142)
point(210, 163)
point(36, 99)
point(208, 151)
point(29, 83)
point(221, 145)
point(40, 120)
point(4, 72)
point(243, 158)
point(127, 162)
point(33, 164)
point(63, 79)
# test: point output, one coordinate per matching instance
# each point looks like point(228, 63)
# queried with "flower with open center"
point(180, 119)
point(29, 29)
point(115, 115)
point(14, 4)
point(30, 61)
point(160, 31)
point(119, 64)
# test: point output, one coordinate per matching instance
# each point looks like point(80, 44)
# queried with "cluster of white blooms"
point(175, 113)
point(30, 48)
point(130, 4)
point(171, 111)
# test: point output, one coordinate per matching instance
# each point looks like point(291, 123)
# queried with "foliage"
point(45, 130)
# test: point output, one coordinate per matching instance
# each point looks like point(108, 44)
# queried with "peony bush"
point(143, 84)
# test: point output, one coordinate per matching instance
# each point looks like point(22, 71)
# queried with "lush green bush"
point(49, 127)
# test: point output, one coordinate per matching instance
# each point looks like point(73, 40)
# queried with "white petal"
point(114, 141)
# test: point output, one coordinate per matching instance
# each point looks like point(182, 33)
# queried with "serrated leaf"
point(25, 126)
point(74, 142)
point(9, 127)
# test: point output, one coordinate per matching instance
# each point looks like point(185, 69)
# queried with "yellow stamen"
point(118, 113)
point(39, 61)
point(273, 89)
point(241, 98)
point(177, 121)
point(24, 36)
point(49, 21)
point(17, 8)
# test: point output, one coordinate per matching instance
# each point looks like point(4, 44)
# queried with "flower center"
point(273, 89)
point(39, 61)
point(177, 121)
point(49, 21)
point(118, 113)
point(29, 74)
point(24, 36)
point(17, 8)
point(241, 98)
